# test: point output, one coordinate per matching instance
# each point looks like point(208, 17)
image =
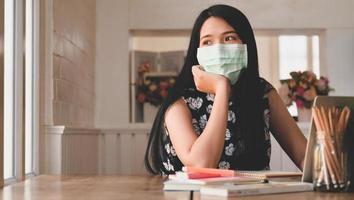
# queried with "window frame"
point(32, 59)
point(25, 17)
point(2, 6)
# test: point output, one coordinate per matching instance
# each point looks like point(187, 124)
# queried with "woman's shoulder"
point(188, 101)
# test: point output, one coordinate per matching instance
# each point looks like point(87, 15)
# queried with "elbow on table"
point(204, 163)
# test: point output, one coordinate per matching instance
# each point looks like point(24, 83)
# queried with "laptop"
point(311, 142)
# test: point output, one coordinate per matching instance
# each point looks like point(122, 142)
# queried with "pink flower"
point(300, 91)
point(141, 98)
point(164, 85)
point(304, 84)
point(310, 94)
point(299, 103)
point(163, 93)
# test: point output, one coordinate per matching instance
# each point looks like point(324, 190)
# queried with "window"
point(298, 53)
point(20, 87)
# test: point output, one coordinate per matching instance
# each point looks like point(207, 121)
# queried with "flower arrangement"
point(302, 88)
point(152, 89)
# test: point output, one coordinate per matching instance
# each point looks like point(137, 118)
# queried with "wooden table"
point(124, 187)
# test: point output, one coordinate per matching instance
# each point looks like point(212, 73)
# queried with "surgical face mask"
point(224, 59)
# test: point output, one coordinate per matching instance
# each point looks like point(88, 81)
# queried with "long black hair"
point(246, 94)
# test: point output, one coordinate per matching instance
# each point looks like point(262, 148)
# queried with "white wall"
point(268, 58)
point(112, 72)
point(340, 60)
point(116, 18)
point(172, 43)
point(180, 14)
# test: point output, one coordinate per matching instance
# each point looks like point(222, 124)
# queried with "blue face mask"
point(224, 59)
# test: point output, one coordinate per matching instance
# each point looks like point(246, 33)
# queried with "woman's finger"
point(195, 69)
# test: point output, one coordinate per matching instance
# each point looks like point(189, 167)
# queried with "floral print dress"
point(200, 105)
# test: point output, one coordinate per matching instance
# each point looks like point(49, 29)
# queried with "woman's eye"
point(230, 38)
point(207, 42)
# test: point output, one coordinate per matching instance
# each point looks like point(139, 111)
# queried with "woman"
point(220, 112)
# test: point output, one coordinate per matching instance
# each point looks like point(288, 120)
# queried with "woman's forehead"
point(214, 26)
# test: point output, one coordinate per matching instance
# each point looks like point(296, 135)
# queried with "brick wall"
point(74, 24)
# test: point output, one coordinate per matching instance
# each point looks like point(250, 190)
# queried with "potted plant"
point(152, 90)
point(302, 88)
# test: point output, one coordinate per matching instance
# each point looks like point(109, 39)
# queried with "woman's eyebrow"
point(205, 36)
point(228, 32)
point(224, 33)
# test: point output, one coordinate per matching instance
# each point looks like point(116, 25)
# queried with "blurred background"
point(82, 79)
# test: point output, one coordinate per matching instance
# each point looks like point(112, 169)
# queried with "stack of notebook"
point(176, 183)
point(209, 180)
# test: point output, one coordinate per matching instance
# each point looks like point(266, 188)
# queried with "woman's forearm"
point(207, 149)
point(286, 131)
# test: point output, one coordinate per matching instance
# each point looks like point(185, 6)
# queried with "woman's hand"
point(209, 82)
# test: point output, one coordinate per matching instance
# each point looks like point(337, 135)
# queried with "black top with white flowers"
point(200, 105)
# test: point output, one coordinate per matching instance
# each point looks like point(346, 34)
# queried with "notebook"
point(255, 189)
point(195, 172)
point(174, 183)
point(272, 175)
